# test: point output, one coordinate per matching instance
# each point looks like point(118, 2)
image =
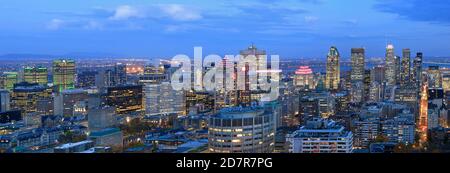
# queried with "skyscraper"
point(434, 77)
point(37, 75)
point(391, 68)
point(357, 75)
point(10, 78)
point(406, 68)
point(63, 74)
point(26, 96)
point(417, 70)
point(4, 100)
point(126, 98)
point(244, 97)
point(304, 78)
point(332, 78)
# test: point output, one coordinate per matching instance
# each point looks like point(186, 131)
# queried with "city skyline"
point(292, 29)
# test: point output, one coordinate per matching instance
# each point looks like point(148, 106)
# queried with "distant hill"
point(75, 55)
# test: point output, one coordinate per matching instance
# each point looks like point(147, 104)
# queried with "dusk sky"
point(164, 28)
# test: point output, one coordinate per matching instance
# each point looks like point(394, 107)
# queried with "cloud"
point(350, 22)
point(125, 12)
point(180, 12)
point(311, 19)
point(55, 24)
point(435, 11)
point(93, 25)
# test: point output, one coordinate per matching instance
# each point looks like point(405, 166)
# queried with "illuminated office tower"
point(63, 74)
point(159, 96)
point(245, 96)
point(398, 69)
point(304, 78)
point(10, 78)
point(242, 130)
point(375, 92)
point(377, 74)
point(357, 75)
point(406, 68)
point(332, 78)
point(391, 68)
point(434, 77)
point(26, 96)
point(126, 98)
point(37, 75)
point(358, 65)
point(446, 80)
point(417, 70)
point(4, 100)
point(162, 99)
point(71, 103)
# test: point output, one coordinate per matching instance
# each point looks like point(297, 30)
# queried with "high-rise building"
point(162, 99)
point(434, 77)
point(10, 78)
point(332, 78)
point(377, 74)
point(417, 70)
point(126, 98)
point(375, 92)
point(398, 69)
point(245, 96)
point(4, 100)
point(406, 68)
point(446, 80)
point(320, 136)
point(63, 74)
point(358, 65)
point(26, 96)
point(229, 131)
point(304, 78)
point(37, 75)
point(391, 68)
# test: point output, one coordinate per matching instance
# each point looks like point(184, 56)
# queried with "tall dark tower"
point(332, 77)
point(406, 68)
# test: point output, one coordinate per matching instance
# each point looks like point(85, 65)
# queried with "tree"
point(70, 137)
